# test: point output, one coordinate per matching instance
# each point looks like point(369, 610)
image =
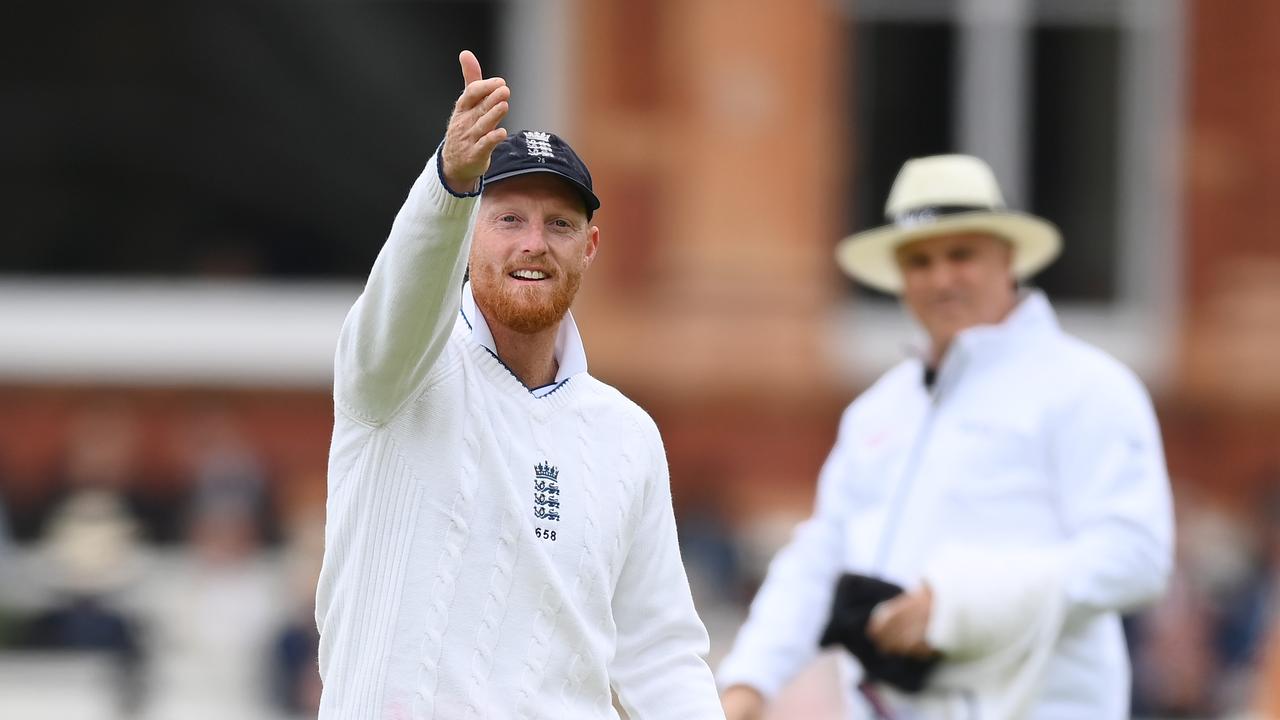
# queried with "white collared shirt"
point(571, 356)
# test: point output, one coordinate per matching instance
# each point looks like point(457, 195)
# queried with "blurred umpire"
point(990, 507)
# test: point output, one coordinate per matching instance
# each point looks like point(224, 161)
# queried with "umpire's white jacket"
point(1028, 486)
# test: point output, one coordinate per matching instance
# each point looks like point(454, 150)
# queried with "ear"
point(593, 243)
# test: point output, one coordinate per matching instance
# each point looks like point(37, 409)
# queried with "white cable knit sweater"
point(490, 554)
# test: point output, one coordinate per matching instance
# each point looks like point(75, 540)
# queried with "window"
point(267, 138)
point(1074, 103)
point(1073, 159)
point(240, 143)
point(903, 93)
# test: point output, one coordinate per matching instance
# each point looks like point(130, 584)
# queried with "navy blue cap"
point(531, 151)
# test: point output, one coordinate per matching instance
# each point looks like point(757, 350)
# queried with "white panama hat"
point(945, 194)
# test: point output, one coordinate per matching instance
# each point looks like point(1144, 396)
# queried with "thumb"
point(880, 616)
point(470, 67)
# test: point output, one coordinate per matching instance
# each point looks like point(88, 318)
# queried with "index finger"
point(476, 92)
point(470, 67)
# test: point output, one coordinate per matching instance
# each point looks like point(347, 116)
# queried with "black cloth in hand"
point(856, 596)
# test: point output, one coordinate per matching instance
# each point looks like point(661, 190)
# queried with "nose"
point(532, 241)
point(940, 275)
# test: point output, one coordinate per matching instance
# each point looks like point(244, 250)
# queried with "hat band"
point(928, 214)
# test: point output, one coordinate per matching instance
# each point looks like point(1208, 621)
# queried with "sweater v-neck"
point(570, 354)
point(505, 381)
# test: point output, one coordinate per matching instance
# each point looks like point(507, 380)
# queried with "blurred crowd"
point(129, 596)
point(1203, 652)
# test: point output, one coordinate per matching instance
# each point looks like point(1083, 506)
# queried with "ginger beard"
point(525, 307)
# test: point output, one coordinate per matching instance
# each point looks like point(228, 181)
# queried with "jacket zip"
point(897, 508)
point(906, 483)
point(899, 500)
point(869, 692)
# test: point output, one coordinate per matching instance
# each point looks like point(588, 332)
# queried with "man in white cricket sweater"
point(500, 540)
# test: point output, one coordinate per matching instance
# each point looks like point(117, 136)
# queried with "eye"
point(562, 226)
point(916, 261)
point(960, 254)
point(508, 218)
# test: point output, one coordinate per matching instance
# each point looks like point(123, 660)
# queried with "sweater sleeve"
point(793, 605)
point(1114, 491)
point(658, 670)
point(398, 326)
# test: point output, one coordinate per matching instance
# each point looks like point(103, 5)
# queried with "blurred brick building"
point(720, 144)
point(724, 138)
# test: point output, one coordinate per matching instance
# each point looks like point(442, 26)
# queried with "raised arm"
point(398, 326)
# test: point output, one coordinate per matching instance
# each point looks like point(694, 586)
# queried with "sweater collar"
point(571, 356)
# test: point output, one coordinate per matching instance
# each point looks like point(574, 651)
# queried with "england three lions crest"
point(546, 492)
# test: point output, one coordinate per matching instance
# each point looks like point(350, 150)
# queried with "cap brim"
point(593, 202)
point(869, 258)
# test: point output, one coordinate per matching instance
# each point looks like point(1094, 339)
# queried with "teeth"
point(530, 274)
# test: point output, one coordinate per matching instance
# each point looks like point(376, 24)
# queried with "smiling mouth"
point(528, 275)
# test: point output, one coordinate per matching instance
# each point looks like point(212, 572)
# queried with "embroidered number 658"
point(545, 534)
